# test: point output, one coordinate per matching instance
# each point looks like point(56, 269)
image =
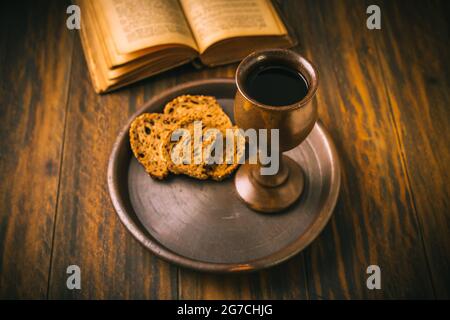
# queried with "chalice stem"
point(270, 180)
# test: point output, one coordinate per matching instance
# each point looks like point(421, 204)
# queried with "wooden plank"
point(35, 56)
point(375, 221)
point(88, 232)
point(286, 281)
point(414, 48)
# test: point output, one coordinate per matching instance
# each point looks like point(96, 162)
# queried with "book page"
point(215, 20)
point(139, 24)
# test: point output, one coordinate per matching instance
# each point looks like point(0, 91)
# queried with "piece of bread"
point(184, 156)
point(147, 135)
point(177, 161)
point(205, 107)
point(150, 139)
point(221, 171)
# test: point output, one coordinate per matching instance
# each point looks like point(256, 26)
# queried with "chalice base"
point(265, 197)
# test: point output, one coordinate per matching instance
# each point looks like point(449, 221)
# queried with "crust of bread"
point(147, 134)
point(205, 107)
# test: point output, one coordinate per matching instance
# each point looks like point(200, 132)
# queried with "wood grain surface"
point(383, 95)
point(35, 71)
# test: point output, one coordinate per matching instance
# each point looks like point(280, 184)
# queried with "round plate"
point(203, 224)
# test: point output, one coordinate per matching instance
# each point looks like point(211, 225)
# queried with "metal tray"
point(202, 224)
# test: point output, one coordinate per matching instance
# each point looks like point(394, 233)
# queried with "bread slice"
point(179, 162)
point(223, 170)
point(150, 139)
point(147, 135)
point(205, 107)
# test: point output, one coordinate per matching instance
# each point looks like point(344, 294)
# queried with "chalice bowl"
point(275, 89)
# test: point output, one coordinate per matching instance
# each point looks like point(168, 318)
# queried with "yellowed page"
point(139, 24)
point(98, 20)
point(215, 20)
point(100, 74)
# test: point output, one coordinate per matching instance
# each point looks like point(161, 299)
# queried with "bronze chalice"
point(272, 193)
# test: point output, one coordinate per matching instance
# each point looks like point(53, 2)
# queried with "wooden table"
point(384, 96)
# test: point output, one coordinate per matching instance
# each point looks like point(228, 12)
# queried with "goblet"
point(272, 193)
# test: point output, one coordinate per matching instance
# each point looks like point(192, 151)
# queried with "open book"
point(128, 40)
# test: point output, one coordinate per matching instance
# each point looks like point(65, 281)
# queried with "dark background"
point(384, 96)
